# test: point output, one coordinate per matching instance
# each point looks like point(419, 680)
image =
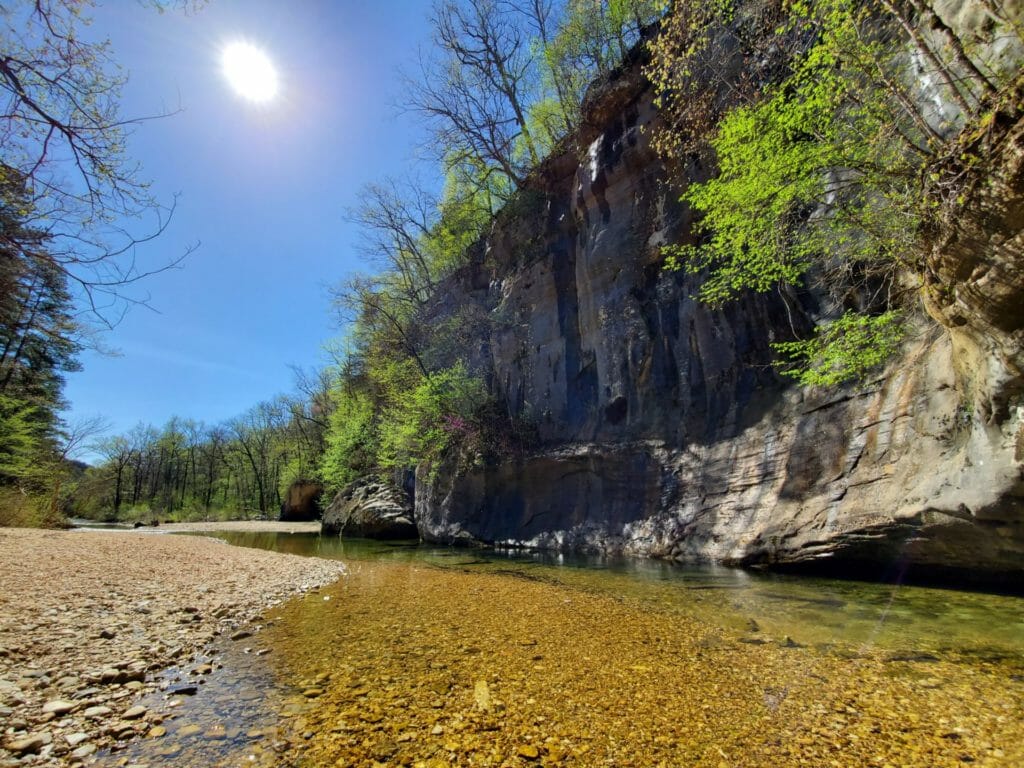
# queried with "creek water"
point(400, 662)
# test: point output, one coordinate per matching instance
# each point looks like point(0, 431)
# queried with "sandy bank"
point(255, 526)
point(88, 618)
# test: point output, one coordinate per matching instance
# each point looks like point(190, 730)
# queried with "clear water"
point(936, 646)
point(810, 610)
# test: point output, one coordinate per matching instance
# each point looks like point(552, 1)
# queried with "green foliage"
point(810, 173)
point(20, 441)
point(426, 421)
point(592, 39)
point(351, 439)
point(38, 344)
point(547, 121)
point(820, 171)
point(472, 193)
point(20, 509)
point(846, 349)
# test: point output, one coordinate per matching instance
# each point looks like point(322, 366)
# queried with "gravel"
point(89, 619)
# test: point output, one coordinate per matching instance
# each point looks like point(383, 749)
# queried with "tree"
point(38, 334)
point(118, 454)
point(62, 136)
point(254, 434)
point(74, 437)
point(69, 196)
point(474, 91)
point(352, 442)
point(506, 77)
point(395, 220)
point(422, 424)
point(829, 165)
point(592, 38)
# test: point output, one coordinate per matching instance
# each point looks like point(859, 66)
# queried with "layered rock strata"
point(370, 509)
point(664, 429)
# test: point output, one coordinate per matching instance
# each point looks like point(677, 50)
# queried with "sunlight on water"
point(888, 616)
point(428, 656)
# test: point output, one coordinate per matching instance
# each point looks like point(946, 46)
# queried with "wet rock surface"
point(90, 621)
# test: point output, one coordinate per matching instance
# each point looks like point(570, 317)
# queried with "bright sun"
point(250, 72)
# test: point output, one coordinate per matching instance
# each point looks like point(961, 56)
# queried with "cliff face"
point(665, 430)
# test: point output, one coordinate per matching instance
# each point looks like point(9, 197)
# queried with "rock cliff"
point(664, 429)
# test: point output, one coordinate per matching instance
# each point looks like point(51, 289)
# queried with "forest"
point(831, 167)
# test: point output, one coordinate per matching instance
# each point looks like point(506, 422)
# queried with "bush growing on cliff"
point(352, 442)
point(846, 349)
point(823, 157)
point(438, 413)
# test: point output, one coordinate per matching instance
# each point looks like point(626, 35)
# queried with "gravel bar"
point(89, 619)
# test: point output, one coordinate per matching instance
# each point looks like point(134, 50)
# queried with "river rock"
point(122, 731)
point(83, 751)
point(482, 695)
point(528, 752)
point(113, 675)
point(29, 744)
point(59, 707)
point(370, 508)
point(10, 692)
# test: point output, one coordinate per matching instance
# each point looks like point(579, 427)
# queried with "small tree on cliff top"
point(822, 155)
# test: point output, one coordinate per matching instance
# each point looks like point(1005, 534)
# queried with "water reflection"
point(812, 610)
point(399, 653)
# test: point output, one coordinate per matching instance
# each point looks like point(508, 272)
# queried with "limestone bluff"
point(664, 430)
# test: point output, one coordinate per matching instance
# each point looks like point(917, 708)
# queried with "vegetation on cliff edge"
point(833, 119)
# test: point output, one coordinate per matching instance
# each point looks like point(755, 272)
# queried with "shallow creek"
point(434, 657)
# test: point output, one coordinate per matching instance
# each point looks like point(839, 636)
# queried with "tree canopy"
point(823, 158)
point(73, 208)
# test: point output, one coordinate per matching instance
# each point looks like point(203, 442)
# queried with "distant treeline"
point(187, 469)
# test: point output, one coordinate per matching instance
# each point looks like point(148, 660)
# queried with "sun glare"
point(250, 72)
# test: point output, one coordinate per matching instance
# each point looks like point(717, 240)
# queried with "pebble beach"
point(88, 620)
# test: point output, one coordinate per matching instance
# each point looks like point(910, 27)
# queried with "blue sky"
point(263, 189)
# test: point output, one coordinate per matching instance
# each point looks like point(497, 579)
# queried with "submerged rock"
point(372, 509)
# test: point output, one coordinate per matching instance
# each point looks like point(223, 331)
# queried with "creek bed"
point(427, 656)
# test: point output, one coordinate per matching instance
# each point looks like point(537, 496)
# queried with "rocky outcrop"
point(370, 509)
point(301, 501)
point(665, 431)
point(893, 474)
